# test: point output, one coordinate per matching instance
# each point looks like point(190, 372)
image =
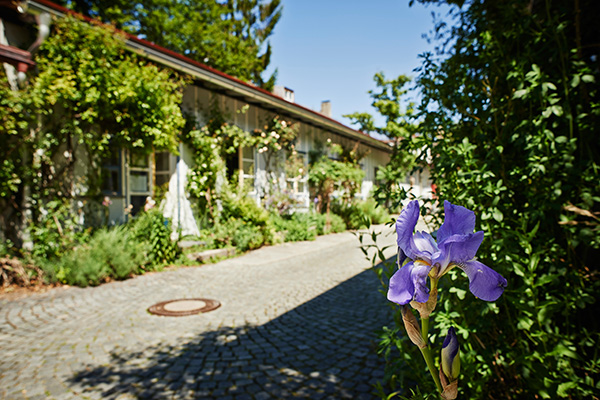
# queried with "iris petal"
point(405, 226)
point(419, 275)
point(425, 245)
point(458, 249)
point(457, 221)
point(484, 282)
point(401, 288)
point(409, 283)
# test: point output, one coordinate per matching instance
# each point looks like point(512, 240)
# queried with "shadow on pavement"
point(324, 348)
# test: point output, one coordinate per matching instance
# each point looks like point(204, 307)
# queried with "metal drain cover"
point(183, 307)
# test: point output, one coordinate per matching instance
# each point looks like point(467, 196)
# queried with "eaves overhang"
point(221, 82)
point(20, 59)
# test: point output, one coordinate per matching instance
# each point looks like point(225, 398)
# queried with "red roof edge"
point(17, 57)
point(196, 63)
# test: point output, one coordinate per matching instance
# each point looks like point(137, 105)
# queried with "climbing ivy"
point(89, 92)
point(212, 143)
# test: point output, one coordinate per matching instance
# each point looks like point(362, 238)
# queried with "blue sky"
point(330, 49)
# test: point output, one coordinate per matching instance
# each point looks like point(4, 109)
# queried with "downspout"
point(125, 174)
point(179, 193)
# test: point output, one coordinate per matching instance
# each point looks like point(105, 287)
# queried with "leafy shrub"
point(296, 227)
point(110, 253)
point(248, 237)
point(336, 224)
point(360, 214)
point(152, 228)
point(328, 223)
point(57, 230)
point(236, 233)
point(243, 213)
point(243, 207)
point(306, 226)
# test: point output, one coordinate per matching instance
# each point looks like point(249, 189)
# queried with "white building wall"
point(197, 101)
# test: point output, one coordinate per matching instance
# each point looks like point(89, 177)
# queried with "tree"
point(510, 110)
point(327, 175)
point(400, 126)
point(230, 36)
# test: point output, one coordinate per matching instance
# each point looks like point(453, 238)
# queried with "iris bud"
point(451, 356)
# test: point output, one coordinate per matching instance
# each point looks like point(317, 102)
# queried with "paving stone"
point(262, 396)
point(276, 335)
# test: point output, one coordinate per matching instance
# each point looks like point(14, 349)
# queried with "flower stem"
point(426, 351)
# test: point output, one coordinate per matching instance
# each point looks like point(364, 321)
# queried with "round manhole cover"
point(182, 307)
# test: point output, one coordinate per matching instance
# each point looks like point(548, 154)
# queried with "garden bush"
point(360, 213)
point(248, 237)
point(296, 227)
point(306, 226)
point(57, 230)
point(336, 224)
point(508, 127)
point(236, 233)
point(253, 221)
point(328, 223)
point(110, 254)
point(152, 228)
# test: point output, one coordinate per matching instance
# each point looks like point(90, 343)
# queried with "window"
point(247, 164)
point(111, 173)
point(139, 180)
point(162, 168)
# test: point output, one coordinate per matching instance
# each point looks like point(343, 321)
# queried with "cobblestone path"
point(296, 321)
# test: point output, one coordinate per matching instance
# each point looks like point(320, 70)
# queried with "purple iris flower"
point(456, 246)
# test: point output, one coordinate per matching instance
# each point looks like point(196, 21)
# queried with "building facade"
point(129, 180)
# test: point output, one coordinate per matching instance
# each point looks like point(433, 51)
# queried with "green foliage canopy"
point(510, 112)
point(92, 88)
point(231, 36)
point(399, 126)
point(344, 175)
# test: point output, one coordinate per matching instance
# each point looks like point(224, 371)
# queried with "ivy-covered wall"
point(88, 94)
point(200, 102)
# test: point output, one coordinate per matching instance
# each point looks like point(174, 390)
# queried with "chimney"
point(326, 108)
point(284, 92)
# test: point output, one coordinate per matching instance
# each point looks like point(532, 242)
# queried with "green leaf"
point(518, 270)
point(564, 388)
point(561, 139)
point(460, 293)
point(520, 93)
point(557, 110)
point(497, 215)
point(575, 81)
point(588, 78)
point(563, 351)
point(525, 323)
